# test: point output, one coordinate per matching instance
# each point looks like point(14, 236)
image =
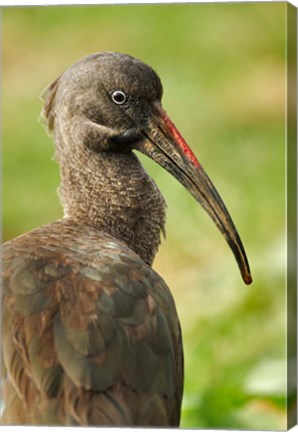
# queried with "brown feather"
point(92, 339)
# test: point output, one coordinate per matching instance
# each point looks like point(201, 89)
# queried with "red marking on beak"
point(165, 145)
point(176, 136)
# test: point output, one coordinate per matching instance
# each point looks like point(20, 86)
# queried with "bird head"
point(111, 102)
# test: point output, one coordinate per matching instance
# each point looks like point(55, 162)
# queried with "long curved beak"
point(165, 145)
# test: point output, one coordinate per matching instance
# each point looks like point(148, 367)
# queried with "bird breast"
point(114, 194)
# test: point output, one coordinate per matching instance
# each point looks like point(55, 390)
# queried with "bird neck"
point(113, 193)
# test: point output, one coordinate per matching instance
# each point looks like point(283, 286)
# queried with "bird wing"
point(90, 332)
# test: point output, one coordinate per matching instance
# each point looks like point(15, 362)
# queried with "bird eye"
point(119, 97)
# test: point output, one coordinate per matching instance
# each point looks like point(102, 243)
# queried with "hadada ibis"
point(91, 335)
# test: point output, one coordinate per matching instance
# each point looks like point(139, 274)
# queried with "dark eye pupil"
point(119, 97)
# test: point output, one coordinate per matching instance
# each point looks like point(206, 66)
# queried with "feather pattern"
point(88, 333)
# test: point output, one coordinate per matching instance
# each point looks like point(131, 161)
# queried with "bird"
point(90, 332)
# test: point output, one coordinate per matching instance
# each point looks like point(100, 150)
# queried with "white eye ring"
point(119, 97)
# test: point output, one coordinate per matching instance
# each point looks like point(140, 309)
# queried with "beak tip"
point(247, 278)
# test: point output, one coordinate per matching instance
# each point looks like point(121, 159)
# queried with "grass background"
point(223, 70)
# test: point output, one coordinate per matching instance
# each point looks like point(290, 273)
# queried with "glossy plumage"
point(90, 332)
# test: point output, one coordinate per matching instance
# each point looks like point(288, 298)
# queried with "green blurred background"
point(223, 70)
